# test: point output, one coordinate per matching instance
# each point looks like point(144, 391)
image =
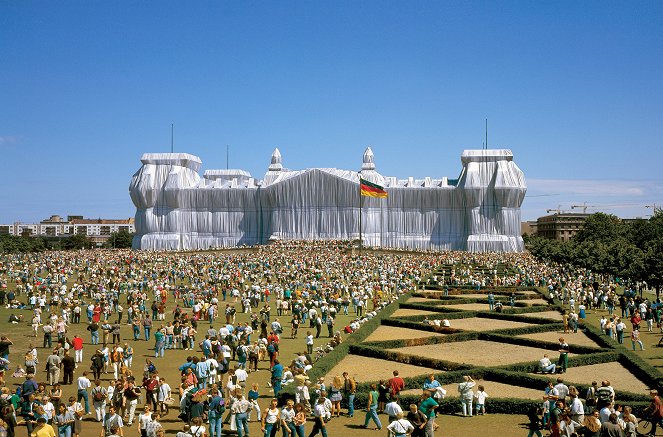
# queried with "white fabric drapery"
point(176, 209)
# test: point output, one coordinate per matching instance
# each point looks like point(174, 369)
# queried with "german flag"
point(370, 189)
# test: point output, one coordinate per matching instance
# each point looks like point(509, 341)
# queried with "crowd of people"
point(220, 317)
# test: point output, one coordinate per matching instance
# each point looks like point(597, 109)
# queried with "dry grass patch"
point(578, 338)
point(404, 312)
point(417, 299)
point(383, 333)
point(477, 352)
point(483, 324)
point(619, 376)
point(553, 315)
point(468, 306)
point(374, 369)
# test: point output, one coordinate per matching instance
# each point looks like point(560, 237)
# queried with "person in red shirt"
point(77, 342)
point(635, 320)
point(396, 384)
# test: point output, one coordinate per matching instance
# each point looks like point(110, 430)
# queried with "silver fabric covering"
point(176, 209)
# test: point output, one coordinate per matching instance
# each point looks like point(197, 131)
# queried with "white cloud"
point(8, 140)
point(624, 198)
point(594, 187)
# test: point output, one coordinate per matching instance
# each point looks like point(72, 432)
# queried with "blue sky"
point(574, 89)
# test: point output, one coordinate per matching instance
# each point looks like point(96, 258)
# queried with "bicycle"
point(645, 427)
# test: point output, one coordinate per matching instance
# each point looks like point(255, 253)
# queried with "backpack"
point(221, 407)
point(98, 395)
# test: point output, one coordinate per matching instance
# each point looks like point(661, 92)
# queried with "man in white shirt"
point(392, 409)
point(563, 390)
point(576, 409)
point(241, 375)
point(112, 421)
point(320, 413)
point(545, 365)
point(83, 383)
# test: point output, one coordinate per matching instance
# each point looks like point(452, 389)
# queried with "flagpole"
point(361, 204)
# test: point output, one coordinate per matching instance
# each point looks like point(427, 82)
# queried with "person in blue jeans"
point(372, 411)
point(349, 390)
point(216, 409)
point(270, 419)
point(147, 327)
point(277, 376)
point(241, 408)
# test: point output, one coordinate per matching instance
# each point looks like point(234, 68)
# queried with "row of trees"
point(24, 244)
point(631, 250)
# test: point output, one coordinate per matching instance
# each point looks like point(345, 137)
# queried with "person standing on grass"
point(146, 322)
point(349, 391)
point(428, 406)
point(563, 361)
point(309, 342)
point(77, 342)
point(400, 427)
point(53, 365)
point(68, 367)
point(465, 389)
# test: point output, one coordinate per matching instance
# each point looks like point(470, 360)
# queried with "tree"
point(601, 227)
point(119, 240)
point(76, 242)
point(653, 261)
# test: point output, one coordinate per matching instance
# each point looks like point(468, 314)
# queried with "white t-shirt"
point(83, 383)
point(144, 419)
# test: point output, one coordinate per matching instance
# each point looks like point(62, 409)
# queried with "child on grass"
point(480, 400)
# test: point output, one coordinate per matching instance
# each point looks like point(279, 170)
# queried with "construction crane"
point(559, 210)
point(584, 207)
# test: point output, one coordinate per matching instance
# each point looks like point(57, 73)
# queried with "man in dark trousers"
point(68, 365)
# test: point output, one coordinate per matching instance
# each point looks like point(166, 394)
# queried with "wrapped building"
point(177, 209)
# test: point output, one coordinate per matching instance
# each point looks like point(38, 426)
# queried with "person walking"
point(83, 384)
point(320, 414)
point(635, 338)
point(64, 420)
point(99, 400)
point(372, 408)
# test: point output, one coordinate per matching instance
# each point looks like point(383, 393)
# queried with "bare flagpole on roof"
point(172, 137)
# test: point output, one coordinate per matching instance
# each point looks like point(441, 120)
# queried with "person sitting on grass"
point(546, 366)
